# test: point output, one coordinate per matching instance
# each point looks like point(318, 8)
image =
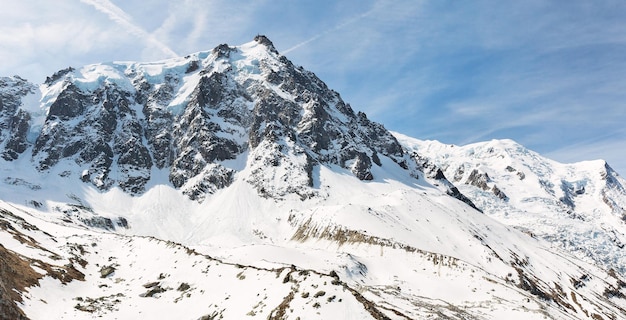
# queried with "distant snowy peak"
point(580, 207)
point(111, 124)
point(484, 164)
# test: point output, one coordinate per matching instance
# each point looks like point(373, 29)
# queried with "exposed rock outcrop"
point(14, 121)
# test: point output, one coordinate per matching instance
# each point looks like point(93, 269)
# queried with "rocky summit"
point(119, 121)
point(231, 184)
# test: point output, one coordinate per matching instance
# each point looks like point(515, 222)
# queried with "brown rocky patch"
point(16, 275)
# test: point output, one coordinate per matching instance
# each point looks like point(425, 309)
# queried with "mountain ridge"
point(114, 103)
point(267, 173)
point(510, 182)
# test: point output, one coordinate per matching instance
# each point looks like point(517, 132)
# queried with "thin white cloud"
point(120, 17)
point(336, 28)
point(185, 24)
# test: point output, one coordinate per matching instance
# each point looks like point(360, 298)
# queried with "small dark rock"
point(183, 287)
point(106, 271)
point(151, 284)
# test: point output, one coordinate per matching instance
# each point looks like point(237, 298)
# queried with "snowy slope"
point(93, 274)
point(448, 259)
point(233, 184)
point(580, 207)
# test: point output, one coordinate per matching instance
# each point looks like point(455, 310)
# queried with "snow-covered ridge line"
point(580, 207)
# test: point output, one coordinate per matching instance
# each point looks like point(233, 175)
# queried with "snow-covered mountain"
point(233, 184)
point(580, 207)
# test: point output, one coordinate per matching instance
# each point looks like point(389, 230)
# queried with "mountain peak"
point(511, 183)
point(264, 40)
point(111, 123)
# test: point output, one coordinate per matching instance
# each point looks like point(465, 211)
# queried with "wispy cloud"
point(610, 148)
point(120, 17)
point(331, 30)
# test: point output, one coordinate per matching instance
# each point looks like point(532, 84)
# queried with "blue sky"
point(549, 74)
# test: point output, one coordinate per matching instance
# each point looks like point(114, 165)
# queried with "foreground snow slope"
point(92, 274)
point(447, 259)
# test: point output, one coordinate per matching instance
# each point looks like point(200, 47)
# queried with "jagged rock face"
point(436, 176)
point(14, 122)
point(315, 126)
point(199, 139)
point(17, 142)
point(482, 181)
point(99, 130)
point(614, 187)
point(190, 116)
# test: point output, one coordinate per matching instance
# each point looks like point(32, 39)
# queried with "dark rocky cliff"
point(117, 123)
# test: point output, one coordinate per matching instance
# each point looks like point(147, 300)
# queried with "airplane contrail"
point(120, 17)
point(337, 27)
